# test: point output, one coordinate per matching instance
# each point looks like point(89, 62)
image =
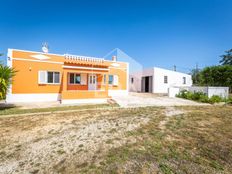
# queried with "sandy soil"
point(50, 143)
point(169, 112)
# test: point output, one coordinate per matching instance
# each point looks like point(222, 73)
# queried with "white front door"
point(92, 82)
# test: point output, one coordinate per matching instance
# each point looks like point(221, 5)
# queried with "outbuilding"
point(158, 80)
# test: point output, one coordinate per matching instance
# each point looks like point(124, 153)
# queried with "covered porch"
point(84, 84)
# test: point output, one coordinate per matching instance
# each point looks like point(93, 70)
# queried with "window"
point(132, 80)
point(53, 77)
point(49, 77)
point(184, 80)
point(111, 78)
point(165, 79)
point(74, 78)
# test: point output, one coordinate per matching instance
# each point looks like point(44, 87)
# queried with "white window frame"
point(115, 80)
point(46, 77)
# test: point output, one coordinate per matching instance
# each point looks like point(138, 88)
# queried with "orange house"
point(66, 78)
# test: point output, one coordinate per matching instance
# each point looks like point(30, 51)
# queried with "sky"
point(160, 33)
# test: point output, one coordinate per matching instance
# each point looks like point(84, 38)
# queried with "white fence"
point(209, 91)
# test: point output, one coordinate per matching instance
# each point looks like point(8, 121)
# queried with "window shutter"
point(115, 81)
point(42, 77)
point(83, 79)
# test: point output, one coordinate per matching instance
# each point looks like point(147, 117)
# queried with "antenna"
point(45, 47)
point(174, 67)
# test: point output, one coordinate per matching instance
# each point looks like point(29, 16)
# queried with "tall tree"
point(227, 58)
point(216, 76)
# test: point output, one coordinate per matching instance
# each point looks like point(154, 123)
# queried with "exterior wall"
point(209, 91)
point(85, 94)
point(26, 88)
point(137, 86)
point(148, 73)
point(220, 91)
point(36, 97)
point(122, 77)
point(173, 91)
point(158, 85)
point(26, 79)
point(174, 79)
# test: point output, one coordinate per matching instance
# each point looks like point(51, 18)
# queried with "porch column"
point(65, 74)
point(107, 85)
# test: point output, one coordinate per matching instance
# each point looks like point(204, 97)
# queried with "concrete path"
point(142, 100)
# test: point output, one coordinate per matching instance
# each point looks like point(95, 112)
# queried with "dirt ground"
point(42, 143)
point(132, 100)
point(137, 140)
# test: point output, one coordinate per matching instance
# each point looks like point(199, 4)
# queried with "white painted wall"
point(113, 93)
point(158, 86)
point(41, 97)
point(136, 85)
point(174, 79)
point(173, 91)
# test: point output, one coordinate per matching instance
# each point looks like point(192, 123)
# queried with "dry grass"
point(13, 110)
point(191, 140)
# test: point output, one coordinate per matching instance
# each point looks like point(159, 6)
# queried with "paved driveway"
point(142, 99)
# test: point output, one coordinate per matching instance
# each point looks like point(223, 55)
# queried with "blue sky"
point(156, 33)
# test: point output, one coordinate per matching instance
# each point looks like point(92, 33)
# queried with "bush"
point(202, 97)
point(229, 100)
point(215, 99)
point(198, 95)
point(185, 94)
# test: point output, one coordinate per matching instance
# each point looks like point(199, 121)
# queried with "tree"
point(227, 58)
point(216, 76)
point(195, 76)
point(6, 74)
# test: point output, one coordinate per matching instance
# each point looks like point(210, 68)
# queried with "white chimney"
point(114, 58)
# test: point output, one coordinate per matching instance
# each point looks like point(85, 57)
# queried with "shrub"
point(198, 95)
point(202, 97)
point(182, 94)
point(229, 100)
point(215, 99)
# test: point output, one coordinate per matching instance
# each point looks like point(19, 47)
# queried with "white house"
point(158, 80)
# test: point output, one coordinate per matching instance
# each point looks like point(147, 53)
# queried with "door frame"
point(92, 78)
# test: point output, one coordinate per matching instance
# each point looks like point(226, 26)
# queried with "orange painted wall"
point(84, 94)
point(122, 79)
point(26, 79)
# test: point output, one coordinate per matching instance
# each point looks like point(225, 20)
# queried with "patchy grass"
point(199, 141)
point(16, 110)
point(196, 140)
